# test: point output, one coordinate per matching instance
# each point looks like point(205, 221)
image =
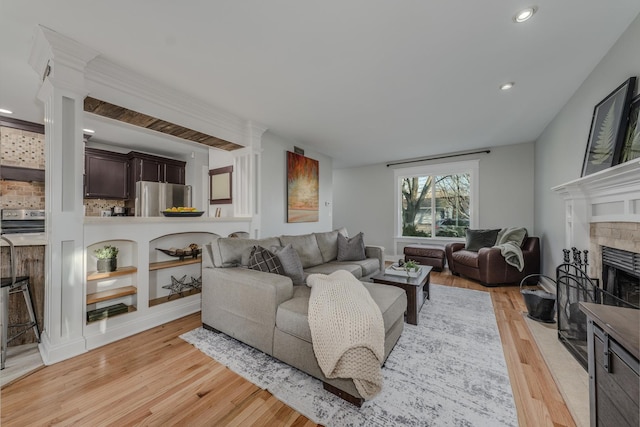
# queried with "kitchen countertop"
point(40, 239)
point(158, 219)
point(25, 239)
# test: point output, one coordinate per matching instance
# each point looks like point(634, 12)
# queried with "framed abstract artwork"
point(608, 129)
point(631, 147)
point(302, 188)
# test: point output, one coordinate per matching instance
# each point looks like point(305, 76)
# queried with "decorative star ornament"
point(176, 287)
point(196, 283)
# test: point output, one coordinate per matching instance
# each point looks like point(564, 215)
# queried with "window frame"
point(472, 167)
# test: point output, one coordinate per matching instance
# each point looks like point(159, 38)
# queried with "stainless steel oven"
point(14, 221)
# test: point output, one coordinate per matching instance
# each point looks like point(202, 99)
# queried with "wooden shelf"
point(111, 294)
point(121, 271)
point(174, 297)
point(173, 263)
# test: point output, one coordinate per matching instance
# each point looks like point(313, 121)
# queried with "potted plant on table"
point(411, 267)
point(107, 258)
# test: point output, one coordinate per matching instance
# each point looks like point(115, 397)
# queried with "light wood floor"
point(155, 378)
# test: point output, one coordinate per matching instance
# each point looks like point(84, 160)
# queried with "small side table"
point(416, 288)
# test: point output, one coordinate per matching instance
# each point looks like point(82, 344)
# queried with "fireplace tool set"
point(573, 286)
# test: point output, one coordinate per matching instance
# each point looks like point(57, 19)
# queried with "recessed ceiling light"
point(525, 14)
point(5, 111)
point(507, 86)
point(88, 130)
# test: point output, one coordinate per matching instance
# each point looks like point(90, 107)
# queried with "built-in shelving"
point(173, 263)
point(166, 271)
point(122, 271)
point(161, 300)
point(111, 294)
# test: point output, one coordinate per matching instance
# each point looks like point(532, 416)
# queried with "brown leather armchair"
point(488, 265)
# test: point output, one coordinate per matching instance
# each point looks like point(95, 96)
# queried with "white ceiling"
point(363, 81)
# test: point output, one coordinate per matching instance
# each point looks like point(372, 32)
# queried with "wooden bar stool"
point(12, 285)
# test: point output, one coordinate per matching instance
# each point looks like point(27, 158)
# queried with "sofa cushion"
point(465, 257)
point(368, 265)
point(307, 247)
point(477, 239)
point(391, 302)
point(290, 263)
point(351, 249)
point(292, 319)
point(262, 259)
point(234, 252)
point(331, 267)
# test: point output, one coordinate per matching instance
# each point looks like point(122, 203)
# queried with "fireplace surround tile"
point(618, 235)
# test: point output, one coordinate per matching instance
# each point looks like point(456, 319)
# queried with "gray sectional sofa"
point(267, 311)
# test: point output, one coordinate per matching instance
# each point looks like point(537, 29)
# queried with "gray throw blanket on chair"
point(509, 241)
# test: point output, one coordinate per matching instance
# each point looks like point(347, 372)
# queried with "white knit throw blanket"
point(347, 330)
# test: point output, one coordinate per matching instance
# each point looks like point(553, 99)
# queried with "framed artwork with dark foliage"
point(631, 148)
point(608, 129)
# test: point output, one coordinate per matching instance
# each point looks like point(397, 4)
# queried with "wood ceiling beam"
point(111, 111)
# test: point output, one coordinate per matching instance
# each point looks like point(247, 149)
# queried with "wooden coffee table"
point(417, 289)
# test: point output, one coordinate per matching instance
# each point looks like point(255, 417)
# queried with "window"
point(436, 201)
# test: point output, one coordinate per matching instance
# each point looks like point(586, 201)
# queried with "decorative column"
point(246, 167)
point(61, 63)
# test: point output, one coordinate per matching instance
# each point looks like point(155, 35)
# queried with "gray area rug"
point(449, 370)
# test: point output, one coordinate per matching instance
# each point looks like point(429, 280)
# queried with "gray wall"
point(273, 189)
point(364, 196)
point(560, 149)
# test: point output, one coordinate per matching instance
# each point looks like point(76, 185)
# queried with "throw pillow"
point(351, 249)
point(291, 263)
point(477, 239)
point(263, 260)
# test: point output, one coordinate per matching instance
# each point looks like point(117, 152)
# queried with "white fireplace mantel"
point(611, 195)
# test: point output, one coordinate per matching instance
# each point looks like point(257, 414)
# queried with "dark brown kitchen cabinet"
point(106, 175)
point(145, 167)
point(174, 172)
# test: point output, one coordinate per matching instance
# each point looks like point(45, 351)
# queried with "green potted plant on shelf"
point(107, 258)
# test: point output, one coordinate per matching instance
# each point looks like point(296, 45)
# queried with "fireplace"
point(602, 214)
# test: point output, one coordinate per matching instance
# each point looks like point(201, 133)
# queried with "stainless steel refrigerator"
point(154, 197)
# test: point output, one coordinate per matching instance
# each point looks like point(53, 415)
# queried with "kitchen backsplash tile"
point(22, 195)
point(94, 207)
point(21, 148)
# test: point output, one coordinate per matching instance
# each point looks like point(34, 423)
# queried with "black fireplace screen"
point(621, 274)
point(573, 287)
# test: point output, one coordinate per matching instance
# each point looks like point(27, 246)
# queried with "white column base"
point(56, 353)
